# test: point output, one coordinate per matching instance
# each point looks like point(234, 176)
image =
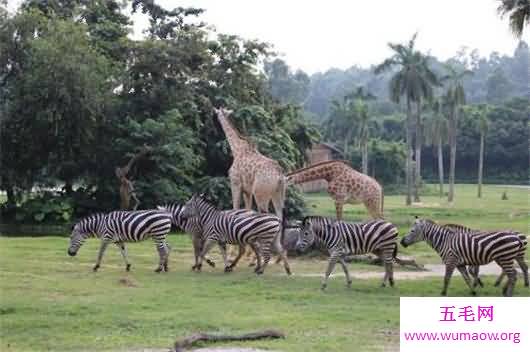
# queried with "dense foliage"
point(79, 98)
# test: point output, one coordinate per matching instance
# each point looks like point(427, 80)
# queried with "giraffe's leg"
point(346, 271)
point(467, 279)
point(242, 249)
point(339, 204)
point(449, 268)
point(123, 251)
point(282, 255)
point(373, 207)
point(102, 248)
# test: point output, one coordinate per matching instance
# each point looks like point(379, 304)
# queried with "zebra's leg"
point(102, 248)
point(123, 251)
point(206, 247)
point(266, 257)
point(474, 272)
point(346, 271)
point(389, 267)
point(166, 261)
point(163, 253)
point(449, 268)
point(509, 270)
point(524, 267)
point(242, 250)
point(463, 270)
point(334, 256)
point(197, 246)
point(499, 279)
point(257, 251)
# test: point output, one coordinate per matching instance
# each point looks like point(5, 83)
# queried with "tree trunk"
point(452, 155)
point(408, 165)
point(364, 152)
point(347, 141)
point(441, 166)
point(417, 157)
point(480, 165)
point(11, 198)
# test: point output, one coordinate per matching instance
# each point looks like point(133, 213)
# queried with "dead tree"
point(126, 186)
point(190, 340)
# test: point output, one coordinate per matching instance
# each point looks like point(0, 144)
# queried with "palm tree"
point(357, 100)
point(435, 133)
point(454, 97)
point(414, 80)
point(519, 14)
point(483, 128)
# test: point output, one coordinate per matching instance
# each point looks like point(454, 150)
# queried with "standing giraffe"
point(345, 185)
point(252, 173)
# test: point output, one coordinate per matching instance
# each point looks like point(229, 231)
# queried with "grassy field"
point(51, 302)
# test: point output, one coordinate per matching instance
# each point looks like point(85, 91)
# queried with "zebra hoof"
point(128, 267)
point(443, 293)
point(228, 269)
point(259, 272)
point(157, 270)
point(497, 283)
point(95, 268)
point(288, 271)
point(166, 269)
point(210, 263)
point(383, 285)
point(391, 281)
point(251, 264)
point(473, 293)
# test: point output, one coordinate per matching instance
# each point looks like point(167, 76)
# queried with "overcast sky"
point(316, 35)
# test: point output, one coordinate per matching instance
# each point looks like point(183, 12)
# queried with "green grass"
point(49, 301)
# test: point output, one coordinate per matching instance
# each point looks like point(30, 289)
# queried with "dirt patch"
point(128, 282)
point(432, 270)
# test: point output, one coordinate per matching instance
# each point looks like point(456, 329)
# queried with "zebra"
point(458, 250)
point(340, 238)
point(124, 226)
point(474, 270)
point(259, 231)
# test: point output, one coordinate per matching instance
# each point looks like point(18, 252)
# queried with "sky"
point(316, 35)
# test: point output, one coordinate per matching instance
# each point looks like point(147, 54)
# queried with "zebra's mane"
point(308, 218)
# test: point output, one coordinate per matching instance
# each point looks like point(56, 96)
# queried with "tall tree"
point(435, 134)
point(454, 97)
point(413, 80)
point(518, 12)
point(482, 120)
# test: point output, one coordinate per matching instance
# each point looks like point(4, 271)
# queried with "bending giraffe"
point(252, 174)
point(345, 185)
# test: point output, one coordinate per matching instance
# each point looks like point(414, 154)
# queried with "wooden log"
point(181, 345)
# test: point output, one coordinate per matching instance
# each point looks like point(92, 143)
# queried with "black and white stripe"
point(124, 226)
point(474, 270)
point(341, 238)
point(458, 250)
point(240, 227)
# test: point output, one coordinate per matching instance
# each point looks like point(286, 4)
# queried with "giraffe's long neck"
point(237, 144)
point(318, 172)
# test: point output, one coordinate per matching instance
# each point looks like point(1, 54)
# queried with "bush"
point(46, 208)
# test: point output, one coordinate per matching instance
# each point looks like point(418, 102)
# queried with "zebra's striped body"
point(260, 231)
point(191, 226)
point(341, 238)
point(129, 226)
point(474, 270)
point(458, 250)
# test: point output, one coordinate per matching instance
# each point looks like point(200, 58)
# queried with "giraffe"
point(252, 174)
point(345, 185)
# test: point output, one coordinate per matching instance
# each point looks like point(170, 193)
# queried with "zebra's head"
point(85, 228)
point(191, 207)
point(77, 238)
point(307, 235)
point(416, 233)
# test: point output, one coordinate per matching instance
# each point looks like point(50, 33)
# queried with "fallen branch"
point(190, 340)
